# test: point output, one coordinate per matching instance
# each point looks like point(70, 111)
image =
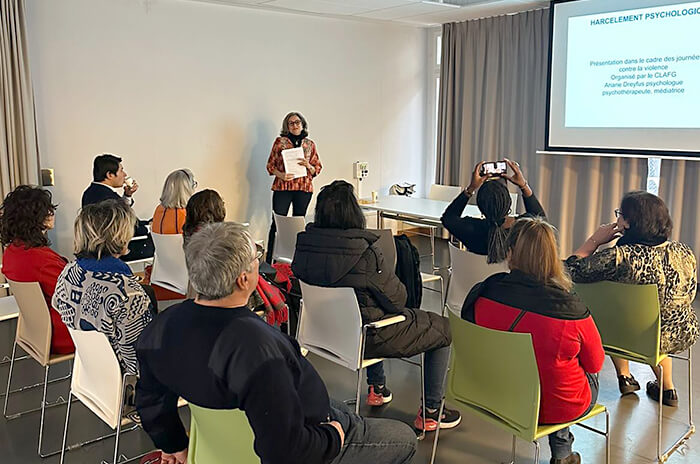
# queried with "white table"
point(416, 210)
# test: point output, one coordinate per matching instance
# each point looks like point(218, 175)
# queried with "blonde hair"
point(103, 229)
point(533, 249)
point(178, 188)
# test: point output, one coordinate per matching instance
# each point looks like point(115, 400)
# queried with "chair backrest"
point(468, 269)
point(34, 324)
point(330, 324)
point(8, 308)
point(387, 245)
point(495, 373)
point(286, 239)
point(627, 316)
point(169, 268)
point(220, 436)
point(97, 378)
point(443, 192)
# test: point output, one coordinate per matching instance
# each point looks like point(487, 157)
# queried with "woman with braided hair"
point(488, 236)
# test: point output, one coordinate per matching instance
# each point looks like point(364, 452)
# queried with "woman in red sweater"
point(535, 297)
point(25, 216)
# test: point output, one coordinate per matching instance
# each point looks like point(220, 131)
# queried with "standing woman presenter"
point(286, 189)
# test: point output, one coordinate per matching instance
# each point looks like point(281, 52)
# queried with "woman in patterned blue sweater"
point(98, 291)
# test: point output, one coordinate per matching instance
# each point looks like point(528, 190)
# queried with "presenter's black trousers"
point(281, 200)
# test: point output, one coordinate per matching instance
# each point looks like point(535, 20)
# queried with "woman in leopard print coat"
point(644, 255)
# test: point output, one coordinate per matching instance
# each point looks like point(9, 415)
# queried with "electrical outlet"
point(360, 169)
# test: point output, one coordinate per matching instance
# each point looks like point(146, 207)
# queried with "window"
point(434, 60)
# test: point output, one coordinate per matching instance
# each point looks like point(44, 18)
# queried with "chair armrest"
point(386, 322)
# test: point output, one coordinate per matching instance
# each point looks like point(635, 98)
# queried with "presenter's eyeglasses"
point(295, 123)
point(618, 213)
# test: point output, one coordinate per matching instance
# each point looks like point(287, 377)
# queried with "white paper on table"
point(291, 158)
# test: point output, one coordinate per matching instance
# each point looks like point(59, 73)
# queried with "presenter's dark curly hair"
point(202, 208)
point(23, 214)
point(494, 201)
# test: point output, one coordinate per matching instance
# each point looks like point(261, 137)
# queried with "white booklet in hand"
point(291, 158)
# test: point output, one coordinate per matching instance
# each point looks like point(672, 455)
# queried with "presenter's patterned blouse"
point(104, 295)
point(275, 161)
point(670, 265)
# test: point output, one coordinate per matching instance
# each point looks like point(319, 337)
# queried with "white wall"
point(168, 84)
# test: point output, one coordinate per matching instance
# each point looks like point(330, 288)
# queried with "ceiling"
point(414, 12)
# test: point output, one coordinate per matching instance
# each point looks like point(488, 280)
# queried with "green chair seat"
point(544, 430)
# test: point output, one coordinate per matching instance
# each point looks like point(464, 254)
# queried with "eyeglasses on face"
point(618, 213)
point(296, 122)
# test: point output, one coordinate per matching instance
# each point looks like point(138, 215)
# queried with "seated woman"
point(488, 236)
point(25, 216)
point(337, 251)
point(535, 297)
point(203, 207)
point(98, 291)
point(169, 216)
point(645, 255)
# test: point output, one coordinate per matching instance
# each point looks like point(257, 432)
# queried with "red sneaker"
point(450, 418)
point(377, 396)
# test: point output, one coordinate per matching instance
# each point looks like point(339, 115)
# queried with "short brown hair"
point(284, 131)
point(647, 216)
point(203, 207)
point(103, 229)
point(533, 249)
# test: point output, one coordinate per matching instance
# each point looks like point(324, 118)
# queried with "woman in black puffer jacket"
point(337, 251)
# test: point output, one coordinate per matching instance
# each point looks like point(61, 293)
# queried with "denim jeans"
point(379, 441)
point(560, 442)
point(435, 367)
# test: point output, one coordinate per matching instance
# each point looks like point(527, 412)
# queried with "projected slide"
point(636, 68)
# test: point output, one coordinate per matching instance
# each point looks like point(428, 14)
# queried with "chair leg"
point(537, 452)
point(661, 413)
point(422, 390)
point(43, 409)
point(691, 427)
point(437, 431)
point(512, 459)
point(607, 436)
point(357, 393)
point(65, 427)
point(9, 378)
point(432, 247)
point(119, 421)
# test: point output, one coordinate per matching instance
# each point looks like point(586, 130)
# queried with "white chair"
point(286, 237)
point(33, 335)
point(388, 246)
point(169, 269)
point(467, 269)
point(330, 326)
point(444, 192)
point(98, 383)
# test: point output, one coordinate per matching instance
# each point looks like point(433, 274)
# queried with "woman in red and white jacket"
point(535, 297)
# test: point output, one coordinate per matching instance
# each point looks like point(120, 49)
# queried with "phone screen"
point(494, 167)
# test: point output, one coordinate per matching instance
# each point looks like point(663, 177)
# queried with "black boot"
point(573, 458)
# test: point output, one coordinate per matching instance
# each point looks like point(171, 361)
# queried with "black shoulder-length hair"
point(22, 216)
point(337, 207)
point(647, 216)
point(284, 131)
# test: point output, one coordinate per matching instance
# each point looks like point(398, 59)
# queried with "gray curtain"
point(679, 186)
point(19, 156)
point(493, 87)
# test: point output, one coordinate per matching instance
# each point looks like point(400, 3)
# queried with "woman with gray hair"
point(169, 216)
point(286, 188)
point(234, 360)
point(98, 291)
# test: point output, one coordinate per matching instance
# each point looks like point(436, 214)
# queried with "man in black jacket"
point(108, 175)
point(216, 353)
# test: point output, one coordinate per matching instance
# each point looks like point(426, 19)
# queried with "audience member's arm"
point(385, 286)
point(533, 206)
point(592, 354)
point(599, 266)
point(50, 271)
point(157, 407)
point(461, 227)
point(276, 414)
